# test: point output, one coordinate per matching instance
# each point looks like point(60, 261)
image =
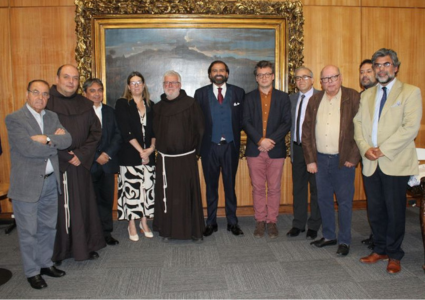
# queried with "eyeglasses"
point(385, 65)
point(304, 77)
point(265, 75)
point(171, 83)
point(38, 93)
point(330, 78)
point(134, 83)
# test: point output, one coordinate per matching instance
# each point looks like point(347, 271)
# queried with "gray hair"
point(173, 73)
point(303, 68)
point(387, 52)
point(90, 82)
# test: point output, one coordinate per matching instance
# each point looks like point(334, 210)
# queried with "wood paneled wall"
point(39, 35)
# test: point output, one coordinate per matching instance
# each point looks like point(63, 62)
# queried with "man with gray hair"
point(301, 179)
point(178, 126)
point(386, 126)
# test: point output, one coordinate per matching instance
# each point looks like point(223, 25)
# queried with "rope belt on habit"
point(66, 202)
point(164, 173)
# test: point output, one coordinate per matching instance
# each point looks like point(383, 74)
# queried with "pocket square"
point(398, 103)
point(236, 104)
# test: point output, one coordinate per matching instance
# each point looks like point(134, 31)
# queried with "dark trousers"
point(224, 158)
point(386, 204)
point(104, 185)
point(331, 179)
point(301, 180)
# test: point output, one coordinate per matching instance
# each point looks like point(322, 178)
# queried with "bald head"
point(331, 80)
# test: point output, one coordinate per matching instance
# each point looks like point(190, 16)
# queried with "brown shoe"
point(272, 230)
point(393, 266)
point(259, 229)
point(373, 258)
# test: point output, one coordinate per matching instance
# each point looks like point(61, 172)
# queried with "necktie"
point(220, 96)
point(298, 119)
point(383, 100)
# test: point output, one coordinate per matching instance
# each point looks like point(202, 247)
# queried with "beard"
point(385, 79)
point(218, 79)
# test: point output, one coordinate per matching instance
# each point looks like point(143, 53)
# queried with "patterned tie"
point(298, 119)
point(383, 100)
point(220, 96)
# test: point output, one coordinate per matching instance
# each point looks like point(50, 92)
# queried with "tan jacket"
point(348, 150)
point(397, 128)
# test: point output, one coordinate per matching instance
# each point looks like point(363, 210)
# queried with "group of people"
point(67, 147)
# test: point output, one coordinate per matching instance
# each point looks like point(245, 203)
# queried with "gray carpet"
point(225, 266)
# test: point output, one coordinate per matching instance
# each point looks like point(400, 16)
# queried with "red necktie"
point(220, 96)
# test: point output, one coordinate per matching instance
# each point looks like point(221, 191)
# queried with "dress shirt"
point(98, 111)
point(328, 124)
point(39, 118)
point(223, 90)
point(303, 109)
point(378, 98)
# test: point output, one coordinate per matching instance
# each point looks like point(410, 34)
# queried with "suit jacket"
point(236, 101)
point(128, 120)
point(110, 142)
point(347, 147)
point(29, 158)
point(294, 99)
point(397, 129)
point(278, 123)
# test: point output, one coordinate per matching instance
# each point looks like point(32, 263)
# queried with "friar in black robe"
point(79, 231)
point(178, 127)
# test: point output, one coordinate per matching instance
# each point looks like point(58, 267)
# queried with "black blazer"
point(129, 124)
point(236, 96)
point(110, 142)
point(278, 123)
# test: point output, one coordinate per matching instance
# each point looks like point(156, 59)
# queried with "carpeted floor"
point(225, 266)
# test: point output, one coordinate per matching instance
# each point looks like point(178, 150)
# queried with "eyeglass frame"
point(171, 83)
point(385, 65)
point(134, 83)
point(330, 78)
point(265, 75)
point(304, 78)
point(38, 93)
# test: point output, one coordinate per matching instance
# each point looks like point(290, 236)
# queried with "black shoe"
point(323, 243)
point(111, 241)
point(343, 249)
point(210, 229)
point(93, 255)
point(52, 272)
point(294, 232)
point(368, 241)
point(235, 229)
point(311, 234)
point(37, 282)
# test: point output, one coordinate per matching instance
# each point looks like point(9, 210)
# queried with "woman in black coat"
point(136, 181)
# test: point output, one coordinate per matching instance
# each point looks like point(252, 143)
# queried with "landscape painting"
point(189, 51)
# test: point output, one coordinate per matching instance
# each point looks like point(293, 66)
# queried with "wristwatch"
point(47, 140)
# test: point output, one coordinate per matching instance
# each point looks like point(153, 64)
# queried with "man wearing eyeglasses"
point(35, 136)
point(331, 153)
point(301, 179)
point(178, 126)
point(266, 121)
point(222, 105)
point(79, 233)
point(386, 126)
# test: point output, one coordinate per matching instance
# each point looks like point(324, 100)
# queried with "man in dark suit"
point(105, 164)
point(222, 105)
point(386, 126)
point(35, 135)
point(266, 121)
point(300, 177)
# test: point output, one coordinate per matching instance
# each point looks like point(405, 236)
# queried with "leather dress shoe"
point(52, 272)
point(210, 229)
point(343, 249)
point(93, 255)
point(373, 258)
point(235, 229)
point(37, 282)
point(393, 266)
point(311, 234)
point(323, 243)
point(294, 232)
point(111, 241)
point(58, 263)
